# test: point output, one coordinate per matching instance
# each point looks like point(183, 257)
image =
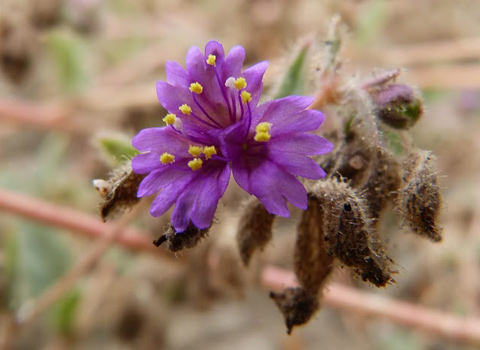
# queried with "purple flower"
point(214, 126)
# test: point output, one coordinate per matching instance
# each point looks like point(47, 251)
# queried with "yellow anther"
point(209, 151)
point(167, 158)
point(195, 150)
point(263, 127)
point(211, 60)
point(196, 88)
point(246, 96)
point(185, 109)
point(262, 136)
point(195, 164)
point(169, 118)
point(240, 83)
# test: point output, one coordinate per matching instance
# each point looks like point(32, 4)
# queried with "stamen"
point(195, 150)
point(240, 83)
point(196, 88)
point(262, 137)
point(195, 164)
point(246, 96)
point(263, 127)
point(262, 132)
point(230, 82)
point(212, 60)
point(170, 119)
point(167, 158)
point(209, 151)
point(185, 109)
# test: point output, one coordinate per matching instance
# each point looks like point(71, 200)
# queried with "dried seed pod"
point(177, 241)
point(349, 234)
point(312, 264)
point(419, 200)
point(297, 306)
point(383, 183)
point(255, 229)
point(119, 192)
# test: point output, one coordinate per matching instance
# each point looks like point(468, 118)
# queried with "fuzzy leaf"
point(117, 148)
point(294, 80)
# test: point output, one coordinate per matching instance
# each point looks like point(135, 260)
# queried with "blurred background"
point(74, 70)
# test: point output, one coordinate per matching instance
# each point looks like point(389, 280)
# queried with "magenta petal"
point(182, 212)
point(145, 163)
point(160, 140)
point(195, 62)
point(214, 48)
point(211, 190)
point(160, 178)
point(176, 74)
point(165, 199)
point(234, 62)
point(299, 165)
point(301, 143)
point(254, 77)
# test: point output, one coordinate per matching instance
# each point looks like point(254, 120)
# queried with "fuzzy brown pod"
point(312, 263)
point(119, 192)
point(349, 234)
point(419, 200)
point(383, 184)
point(297, 306)
point(176, 241)
point(255, 229)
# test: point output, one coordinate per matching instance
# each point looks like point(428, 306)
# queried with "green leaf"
point(64, 312)
point(116, 148)
point(294, 80)
point(395, 141)
point(69, 56)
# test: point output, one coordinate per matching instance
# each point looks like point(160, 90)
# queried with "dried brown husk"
point(255, 229)
point(297, 306)
point(349, 234)
point(177, 241)
point(312, 263)
point(119, 192)
point(419, 200)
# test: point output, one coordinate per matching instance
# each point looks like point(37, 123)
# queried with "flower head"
point(214, 127)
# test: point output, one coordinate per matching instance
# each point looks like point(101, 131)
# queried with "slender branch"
point(345, 299)
point(70, 219)
point(465, 329)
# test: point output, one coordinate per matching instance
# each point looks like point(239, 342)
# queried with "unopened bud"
point(397, 105)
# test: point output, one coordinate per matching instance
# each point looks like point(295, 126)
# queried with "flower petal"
point(145, 163)
point(211, 190)
point(234, 62)
point(298, 164)
point(270, 184)
point(300, 143)
point(254, 77)
point(176, 74)
point(160, 178)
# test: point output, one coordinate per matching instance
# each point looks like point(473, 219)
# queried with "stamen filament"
point(224, 94)
point(204, 111)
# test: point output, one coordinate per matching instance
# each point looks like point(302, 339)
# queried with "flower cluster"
point(215, 127)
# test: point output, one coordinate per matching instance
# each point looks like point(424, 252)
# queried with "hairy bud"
point(297, 306)
point(397, 105)
point(176, 241)
point(119, 192)
point(419, 200)
point(349, 234)
point(255, 229)
point(312, 264)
